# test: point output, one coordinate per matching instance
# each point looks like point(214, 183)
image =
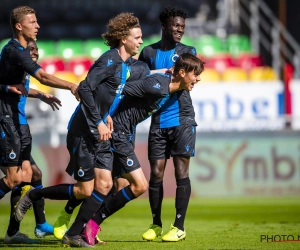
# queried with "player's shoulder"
point(183, 48)
point(151, 47)
point(138, 63)
point(110, 57)
point(13, 45)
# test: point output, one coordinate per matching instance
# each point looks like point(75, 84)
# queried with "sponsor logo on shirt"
point(156, 86)
point(109, 62)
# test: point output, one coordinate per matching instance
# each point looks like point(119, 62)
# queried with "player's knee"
point(140, 188)
point(104, 186)
point(156, 174)
point(83, 192)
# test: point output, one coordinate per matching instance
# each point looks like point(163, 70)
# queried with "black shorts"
point(125, 160)
point(15, 142)
point(85, 155)
point(26, 142)
point(175, 141)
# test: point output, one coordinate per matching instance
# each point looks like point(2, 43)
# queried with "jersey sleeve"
point(149, 86)
point(102, 69)
point(23, 59)
point(191, 50)
point(3, 88)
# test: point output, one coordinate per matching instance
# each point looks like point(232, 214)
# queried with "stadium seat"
point(46, 48)
point(234, 74)
point(247, 61)
point(82, 77)
point(208, 45)
point(263, 73)
point(79, 65)
point(210, 75)
point(35, 84)
point(69, 48)
point(220, 62)
point(52, 64)
point(67, 76)
point(188, 40)
point(238, 44)
point(95, 48)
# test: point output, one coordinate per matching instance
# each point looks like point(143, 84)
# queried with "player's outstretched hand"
point(104, 132)
point(53, 102)
point(17, 89)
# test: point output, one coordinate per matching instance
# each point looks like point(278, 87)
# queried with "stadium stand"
point(69, 48)
point(263, 73)
point(237, 44)
point(52, 64)
point(46, 48)
point(209, 45)
point(79, 65)
point(234, 74)
point(210, 75)
point(94, 48)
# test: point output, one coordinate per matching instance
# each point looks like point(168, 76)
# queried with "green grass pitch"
point(211, 224)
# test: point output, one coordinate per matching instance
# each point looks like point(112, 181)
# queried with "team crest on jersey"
point(80, 172)
point(174, 57)
point(12, 155)
point(129, 162)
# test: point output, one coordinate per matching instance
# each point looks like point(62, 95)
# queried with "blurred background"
point(247, 104)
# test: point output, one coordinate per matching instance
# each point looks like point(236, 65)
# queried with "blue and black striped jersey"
point(15, 67)
point(100, 92)
point(179, 108)
point(141, 99)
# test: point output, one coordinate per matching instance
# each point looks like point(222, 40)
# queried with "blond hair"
point(17, 14)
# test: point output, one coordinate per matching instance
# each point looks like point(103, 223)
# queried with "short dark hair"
point(168, 12)
point(188, 62)
point(17, 15)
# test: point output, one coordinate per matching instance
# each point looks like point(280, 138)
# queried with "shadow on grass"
point(42, 243)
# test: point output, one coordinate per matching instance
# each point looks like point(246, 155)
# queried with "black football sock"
point(183, 193)
point(118, 201)
point(156, 194)
point(14, 226)
point(58, 192)
point(39, 205)
point(72, 204)
point(4, 189)
point(87, 209)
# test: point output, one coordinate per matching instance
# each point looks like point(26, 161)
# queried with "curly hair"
point(188, 62)
point(168, 12)
point(18, 13)
point(118, 27)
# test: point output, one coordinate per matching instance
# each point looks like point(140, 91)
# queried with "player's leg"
point(183, 147)
point(102, 160)
point(138, 185)
point(10, 155)
point(80, 190)
point(42, 228)
point(158, 153)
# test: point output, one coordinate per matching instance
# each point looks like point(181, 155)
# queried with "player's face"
point(133, 41)
point(34, 51)
point(174, 29)
point(29, 27)
point(189, 80)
